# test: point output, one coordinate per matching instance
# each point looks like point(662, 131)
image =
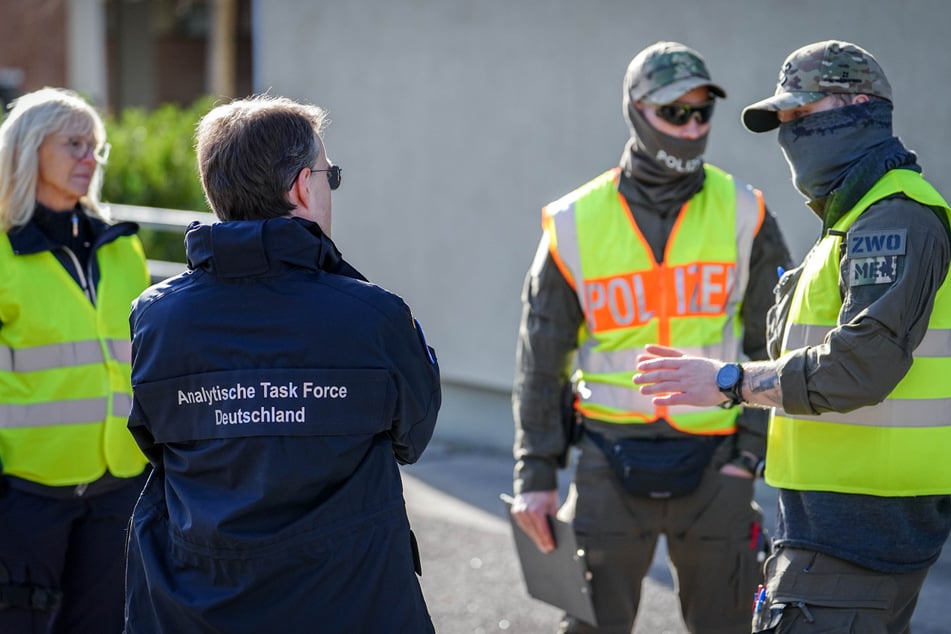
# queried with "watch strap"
point(735, 391)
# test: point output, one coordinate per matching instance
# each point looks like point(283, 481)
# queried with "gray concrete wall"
point(456, 120)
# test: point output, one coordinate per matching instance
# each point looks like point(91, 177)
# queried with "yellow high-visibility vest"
point(899, 447)
point(65, 386)
point(690, 301)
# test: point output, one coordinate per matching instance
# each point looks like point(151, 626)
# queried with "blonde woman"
point(71, 471)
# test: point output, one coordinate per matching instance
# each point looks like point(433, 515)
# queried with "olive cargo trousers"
point(808, 591)
point(714, 540)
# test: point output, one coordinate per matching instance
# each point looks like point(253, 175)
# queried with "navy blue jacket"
point(275, 391)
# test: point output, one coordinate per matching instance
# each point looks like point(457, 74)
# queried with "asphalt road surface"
point(471, 578)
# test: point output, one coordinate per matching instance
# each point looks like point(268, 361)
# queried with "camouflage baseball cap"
point(664, 72)
point(816, 71)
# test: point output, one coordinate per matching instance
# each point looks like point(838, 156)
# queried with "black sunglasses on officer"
point(334, 175)
point(680, 114)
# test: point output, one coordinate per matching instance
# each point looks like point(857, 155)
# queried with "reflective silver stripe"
point(56, 413)
point(120, 349)
point(897, 413)
point(61, 355)
point(936, 343)
point(801, 335)
point(121, 404)
point(606, 362)
point(598, 362)
point(627, 399)
point(566, 243)
point(631, 400)
point(747, 221)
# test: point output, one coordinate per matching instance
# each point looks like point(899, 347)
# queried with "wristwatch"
point(752, 464)
point(730, 382)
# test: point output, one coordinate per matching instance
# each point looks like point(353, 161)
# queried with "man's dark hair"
point(251, 150)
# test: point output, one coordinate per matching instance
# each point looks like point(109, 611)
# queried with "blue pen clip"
point(779, 271)
point(760, 598)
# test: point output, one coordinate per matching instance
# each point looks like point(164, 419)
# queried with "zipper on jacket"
point(85, 277)
point(81, 275)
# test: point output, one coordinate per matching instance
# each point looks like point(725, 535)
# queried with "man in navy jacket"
point(275, 393)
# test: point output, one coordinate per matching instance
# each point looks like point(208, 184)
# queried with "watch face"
point(727, 376)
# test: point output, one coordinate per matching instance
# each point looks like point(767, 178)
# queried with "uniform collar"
point(252, 248)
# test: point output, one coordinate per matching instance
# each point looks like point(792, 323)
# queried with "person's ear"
point(298, 193)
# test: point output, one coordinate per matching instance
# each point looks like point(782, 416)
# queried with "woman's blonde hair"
point(32, 118)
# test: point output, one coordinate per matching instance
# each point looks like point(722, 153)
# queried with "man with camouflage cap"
point(663, 245)
point(860, 338)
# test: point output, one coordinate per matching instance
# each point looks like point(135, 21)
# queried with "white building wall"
point(86, 49)
point(456, 120)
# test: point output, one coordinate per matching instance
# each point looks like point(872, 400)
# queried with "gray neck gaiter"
point(663, 171)
point(822, 148)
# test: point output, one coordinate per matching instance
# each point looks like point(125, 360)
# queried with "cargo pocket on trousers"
point(831, 604)
point(782, 617)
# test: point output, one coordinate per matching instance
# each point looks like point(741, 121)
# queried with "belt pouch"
point(658, 467)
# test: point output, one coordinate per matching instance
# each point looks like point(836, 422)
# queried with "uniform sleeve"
point(769, 254)
point(882, 321)
point(136, 423)
point(547, 339)
point(419, 395)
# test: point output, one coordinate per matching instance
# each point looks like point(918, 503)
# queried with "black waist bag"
point(658, 468)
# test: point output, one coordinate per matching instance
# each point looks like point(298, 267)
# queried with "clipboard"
point(560, 578)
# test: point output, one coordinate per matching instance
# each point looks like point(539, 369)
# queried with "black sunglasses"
point(333, 175)
point(680, 114)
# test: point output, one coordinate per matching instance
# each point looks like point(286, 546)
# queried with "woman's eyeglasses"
point(79, 148)
point(333, 175)
point(680, 114)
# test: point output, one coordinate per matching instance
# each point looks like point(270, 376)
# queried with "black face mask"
point(671, 155)
point(822, 148)
point(665, 171)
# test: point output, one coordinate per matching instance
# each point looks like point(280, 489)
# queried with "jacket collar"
point(252, 248)
point(30, 238)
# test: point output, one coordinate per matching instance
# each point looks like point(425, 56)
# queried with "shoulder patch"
point(874, 270)
point(884, 242)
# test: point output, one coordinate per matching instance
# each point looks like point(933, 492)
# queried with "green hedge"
point(152, 163)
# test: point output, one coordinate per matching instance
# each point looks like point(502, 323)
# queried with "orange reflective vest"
point(690, 301)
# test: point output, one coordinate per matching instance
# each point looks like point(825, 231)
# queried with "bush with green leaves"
point(152, 163)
